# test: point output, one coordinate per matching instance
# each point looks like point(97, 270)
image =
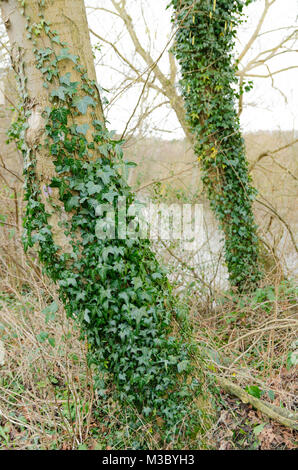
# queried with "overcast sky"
point(272, 110)
point(265, 107)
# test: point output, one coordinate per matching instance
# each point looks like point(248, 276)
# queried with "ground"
point(47, 400)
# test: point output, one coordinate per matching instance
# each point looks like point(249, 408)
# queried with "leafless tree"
point(142, 59)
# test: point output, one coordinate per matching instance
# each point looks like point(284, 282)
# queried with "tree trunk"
point(71, 24)
point(114, 287)
point(204, 45)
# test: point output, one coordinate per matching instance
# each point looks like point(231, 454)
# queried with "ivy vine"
point(204, 48)
point(114, 288)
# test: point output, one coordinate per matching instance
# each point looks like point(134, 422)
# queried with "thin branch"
point(103, 9)
point(136, 107)
point(112, 44)
point(164, 179)
point(269, 75)
point(256, 31)
point(271, 152)
point(281, 219)
point(144, 116)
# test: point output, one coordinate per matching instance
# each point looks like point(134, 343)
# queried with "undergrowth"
point(138, 336)
point(48, 400)
point(47, 396)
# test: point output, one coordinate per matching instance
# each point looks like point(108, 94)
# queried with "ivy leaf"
point(42, 336)
point(259, 428)
point(254, 391)
point(124, 296)
point(292, 359)
point(86, 316)
point(70, 281)
point(130, 164)
point(156, 276)
point(65, 79)
point(50, 311)
point(60, 115)
point(52, 341)
point(109, 250)
point(83, 128)
point(71, 203)
point(93, 188)
point(147, 411)
point(182, 366)
point(110, 196)
point(65, 55)
point(56, 39)
point(105, 175)
point(104, 149)
point(119, 150)
point(137, 282)
point(83, 103)
point(59, 93)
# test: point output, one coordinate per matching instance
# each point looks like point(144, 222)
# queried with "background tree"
point(136, 47)
point(204, 45)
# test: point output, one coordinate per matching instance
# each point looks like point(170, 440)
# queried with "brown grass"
point(46, 395)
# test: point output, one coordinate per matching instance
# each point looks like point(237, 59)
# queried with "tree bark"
point(72, 27)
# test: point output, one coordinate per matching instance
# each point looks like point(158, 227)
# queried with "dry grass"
point(252, 341)
point(45, 384)
point(46, 395)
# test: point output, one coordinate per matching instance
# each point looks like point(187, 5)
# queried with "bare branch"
point(112, 44)
point(255, 75)
point(270, 153)
point(256, 31)
point(135, 108)
point(103, 9)
point(269, 206)
point(168, 85)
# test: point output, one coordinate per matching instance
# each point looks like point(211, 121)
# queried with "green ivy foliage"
point(114, 288)
point(205, 36)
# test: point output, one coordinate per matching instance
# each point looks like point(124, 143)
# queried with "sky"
point(265, 107)
point(275, 109)
point(270, 105)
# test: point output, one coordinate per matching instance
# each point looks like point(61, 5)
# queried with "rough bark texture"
point(70, 22)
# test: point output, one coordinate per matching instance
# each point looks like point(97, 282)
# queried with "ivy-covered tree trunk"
point(72, 26)
point(204, 48)
point(114, 287)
